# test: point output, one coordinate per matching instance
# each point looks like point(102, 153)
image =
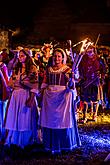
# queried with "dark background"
point(20, 12)
point(39, 19)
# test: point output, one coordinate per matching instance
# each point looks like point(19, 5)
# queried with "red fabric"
point(109, 89)
point(81, 107)
point(4, 89)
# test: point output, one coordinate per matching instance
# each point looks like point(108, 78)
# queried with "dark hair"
point(28, 62)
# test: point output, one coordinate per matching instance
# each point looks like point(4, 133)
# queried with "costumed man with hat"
point(91, 72)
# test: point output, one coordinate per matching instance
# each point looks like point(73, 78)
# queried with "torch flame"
point(85, 45)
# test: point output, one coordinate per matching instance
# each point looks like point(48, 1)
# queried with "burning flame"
point(16, 32)
point(85, 44)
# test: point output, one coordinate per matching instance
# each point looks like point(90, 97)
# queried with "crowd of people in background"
point(42, 93)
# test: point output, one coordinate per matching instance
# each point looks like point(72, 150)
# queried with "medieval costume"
point(58, 121)
point(21, 118)
point(91, 70)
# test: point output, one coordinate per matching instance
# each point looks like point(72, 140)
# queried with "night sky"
point(21, 12)
point(26, 14)
point(17, 13)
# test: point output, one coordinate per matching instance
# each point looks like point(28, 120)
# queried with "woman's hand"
point(30, 101)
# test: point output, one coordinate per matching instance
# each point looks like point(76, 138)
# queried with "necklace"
point(60, 69)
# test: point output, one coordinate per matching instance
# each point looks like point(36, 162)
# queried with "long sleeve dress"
point(58, 119)
point(21, 120)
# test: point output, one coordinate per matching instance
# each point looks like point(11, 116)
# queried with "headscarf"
point(63, 54)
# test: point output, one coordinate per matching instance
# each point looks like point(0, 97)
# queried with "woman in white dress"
point(58, 121)
point(21, 117)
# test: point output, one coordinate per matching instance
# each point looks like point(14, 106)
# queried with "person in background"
point(13, 59)
point(46, 59)
point(37, 61)
point(21, 117)
point(3, 95)
point(106, 88)
point(36, 56)
point(91, 72)
point(5, 56)
point(58, 121)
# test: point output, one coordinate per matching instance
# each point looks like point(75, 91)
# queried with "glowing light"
point(85, 45)
point(16, 32)
point(67, 52)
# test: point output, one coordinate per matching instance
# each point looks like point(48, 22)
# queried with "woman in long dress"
point(58, 121)
point(21, 117)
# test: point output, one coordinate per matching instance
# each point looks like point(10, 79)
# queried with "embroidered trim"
point(62, 69)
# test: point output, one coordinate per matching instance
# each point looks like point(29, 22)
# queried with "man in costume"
point(91, 72)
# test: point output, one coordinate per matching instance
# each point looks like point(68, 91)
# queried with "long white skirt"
point(21, 121)
point(58, 121)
